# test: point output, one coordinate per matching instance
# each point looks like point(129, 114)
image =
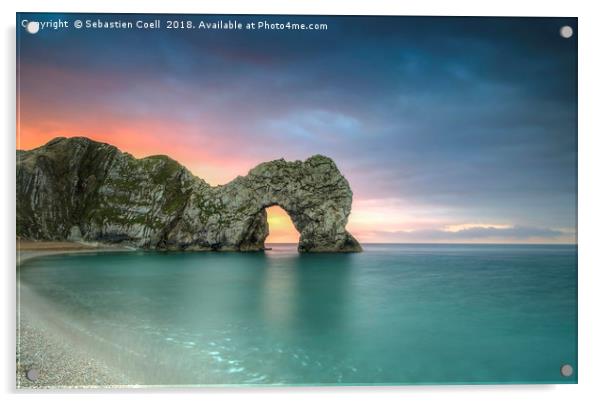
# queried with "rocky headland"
point(76, 189)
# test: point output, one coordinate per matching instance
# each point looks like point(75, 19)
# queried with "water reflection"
point(391, 314)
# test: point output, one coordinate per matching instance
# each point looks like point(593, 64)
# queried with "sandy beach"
point(44, 347)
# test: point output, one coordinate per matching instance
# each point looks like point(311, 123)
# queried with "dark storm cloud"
point(477, 114)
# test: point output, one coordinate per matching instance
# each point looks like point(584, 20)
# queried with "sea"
point(393, 314)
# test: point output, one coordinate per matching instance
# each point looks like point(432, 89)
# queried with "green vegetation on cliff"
point(76, 188)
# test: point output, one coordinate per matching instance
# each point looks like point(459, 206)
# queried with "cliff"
point(79, 189)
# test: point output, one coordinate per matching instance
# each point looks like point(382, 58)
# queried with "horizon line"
point(455, 243)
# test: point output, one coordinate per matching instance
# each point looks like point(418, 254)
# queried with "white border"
point(590, 200)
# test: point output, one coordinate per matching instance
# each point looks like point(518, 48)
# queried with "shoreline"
point(28, 249)
point(59, 363)
point(41, 347)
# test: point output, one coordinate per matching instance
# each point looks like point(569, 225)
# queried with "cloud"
point(450, 114)
point(476, 233)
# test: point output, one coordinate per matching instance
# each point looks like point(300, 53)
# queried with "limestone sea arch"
point(76, 188)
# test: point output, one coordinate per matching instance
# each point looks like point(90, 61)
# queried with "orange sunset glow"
point(141, 139)
point(371, 221)
point(220, 107)
point(282, 229)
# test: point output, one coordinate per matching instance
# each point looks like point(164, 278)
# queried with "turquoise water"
point(394, 314)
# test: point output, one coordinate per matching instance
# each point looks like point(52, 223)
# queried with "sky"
point(453, 130)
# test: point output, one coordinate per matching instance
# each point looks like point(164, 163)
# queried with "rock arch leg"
point(253, 238)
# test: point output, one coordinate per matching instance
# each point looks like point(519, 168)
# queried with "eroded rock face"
point(77, 188)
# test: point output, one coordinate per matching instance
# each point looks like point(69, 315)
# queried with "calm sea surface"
point(394, 314)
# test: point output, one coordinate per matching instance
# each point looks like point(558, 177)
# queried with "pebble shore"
point(56, 363)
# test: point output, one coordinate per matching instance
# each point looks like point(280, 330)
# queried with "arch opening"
point(281, 227)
